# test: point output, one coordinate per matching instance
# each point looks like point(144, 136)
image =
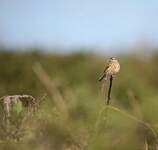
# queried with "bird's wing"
point(106, 67)
point(102, 77)
point(104, 73)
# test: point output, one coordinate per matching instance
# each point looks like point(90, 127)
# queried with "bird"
point(111, 69)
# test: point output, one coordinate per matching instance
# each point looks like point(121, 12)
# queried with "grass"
point(72, 112)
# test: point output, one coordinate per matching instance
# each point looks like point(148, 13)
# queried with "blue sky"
point(77, 23)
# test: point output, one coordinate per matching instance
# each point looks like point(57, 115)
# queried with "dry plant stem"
point(109, 91)
point(148, 126)
point(102, 110)
point(97, 126)
point(99, 118)
point(137, 111)
point(135, 105)
point(146, 144)
point(50, 86)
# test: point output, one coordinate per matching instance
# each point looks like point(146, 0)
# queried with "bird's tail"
point(102, 77)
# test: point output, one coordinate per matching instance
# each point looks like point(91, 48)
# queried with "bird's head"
point(112, 58)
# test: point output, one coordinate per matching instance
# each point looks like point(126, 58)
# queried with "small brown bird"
point(112, 68)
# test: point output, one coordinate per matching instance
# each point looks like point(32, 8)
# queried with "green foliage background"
point(135, 90)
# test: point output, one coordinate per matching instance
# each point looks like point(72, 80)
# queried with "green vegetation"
point(73, 115)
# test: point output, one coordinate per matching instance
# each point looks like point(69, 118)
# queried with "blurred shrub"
point(75, 76)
